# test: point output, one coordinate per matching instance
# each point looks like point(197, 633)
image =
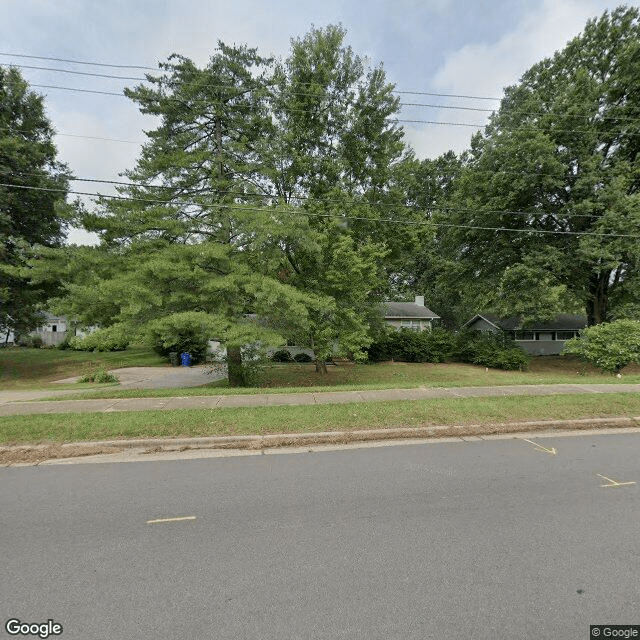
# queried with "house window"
point(524, 335)
point(565, 335)
point(544, 335)
point(414, 325)
point(54, 327)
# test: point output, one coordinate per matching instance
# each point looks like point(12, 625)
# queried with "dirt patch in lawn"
point(40, 453)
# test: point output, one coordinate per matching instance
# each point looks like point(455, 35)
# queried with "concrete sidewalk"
point(8, 408)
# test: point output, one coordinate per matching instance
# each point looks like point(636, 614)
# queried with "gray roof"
point(562, 322)
point(407, 310)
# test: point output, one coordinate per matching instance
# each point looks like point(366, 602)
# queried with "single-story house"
point(409, 315)
point(53, 331)
point(538, 338)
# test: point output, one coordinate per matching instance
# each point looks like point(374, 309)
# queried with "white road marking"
point(539, 447)
point(614, 483)
point(170, 519)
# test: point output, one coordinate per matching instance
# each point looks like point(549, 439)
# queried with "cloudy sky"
point(429, 46)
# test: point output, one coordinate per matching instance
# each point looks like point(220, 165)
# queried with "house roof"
point(562, 322)
point(393, 310)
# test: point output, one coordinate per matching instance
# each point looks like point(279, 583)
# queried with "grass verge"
point(302, 378)
point(23, 369)
point(309, 418)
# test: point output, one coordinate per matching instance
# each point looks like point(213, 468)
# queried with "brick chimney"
point(420, 301)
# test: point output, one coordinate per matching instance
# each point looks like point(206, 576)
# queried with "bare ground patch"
point(39, 453)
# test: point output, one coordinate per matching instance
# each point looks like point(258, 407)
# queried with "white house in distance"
point(409, 315)
point(53, 330)
point(538, 338)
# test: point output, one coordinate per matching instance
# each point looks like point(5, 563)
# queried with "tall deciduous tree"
point(33, 188)
point(334, 147)
point(558, 166)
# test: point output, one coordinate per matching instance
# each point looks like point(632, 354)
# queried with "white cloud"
point(486, 68)
point(430, 141)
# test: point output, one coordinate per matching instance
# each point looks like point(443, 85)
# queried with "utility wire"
point(299, 93)
point(491, 172)
point(94, 64)
point(77, 73)
point(394, 120)
point(120, 66)
point(309, 198)
point(77, 135)
point(329, 215)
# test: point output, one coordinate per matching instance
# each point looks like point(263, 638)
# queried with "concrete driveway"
point(133, 378)
point(163, 377)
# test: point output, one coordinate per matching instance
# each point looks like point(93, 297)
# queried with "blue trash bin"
point(185, 359)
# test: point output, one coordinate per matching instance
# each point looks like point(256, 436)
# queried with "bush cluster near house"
point(113, 338)
point(31, 342)
point(186, 332)
point(439, 345)
point(610, 346)
point(281, 356)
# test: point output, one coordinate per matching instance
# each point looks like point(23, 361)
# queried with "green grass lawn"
point(296, 378)
point(22, 368)
point(309, 418)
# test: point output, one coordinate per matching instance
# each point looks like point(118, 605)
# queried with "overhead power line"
point(329, 215)
point(147, 68)
point(396, 120)
point(303, 198)
point(77, 135)
point(93, 64)
point(77, 73)
point(52, 86)
point(300, 93)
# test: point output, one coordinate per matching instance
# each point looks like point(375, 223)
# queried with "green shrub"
point(302, 357)
point(101, 376)
point(187, 332)
point(487, 349)
point(113, 338)
point(405, 345)
point(30, 342)
point(281, 356)
point(64, 345)
point(610, 346)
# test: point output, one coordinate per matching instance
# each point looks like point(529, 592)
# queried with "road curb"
point(258, 442)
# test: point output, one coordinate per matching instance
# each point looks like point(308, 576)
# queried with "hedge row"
point(439, 345)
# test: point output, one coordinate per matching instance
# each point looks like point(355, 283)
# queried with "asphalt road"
point(481, 539)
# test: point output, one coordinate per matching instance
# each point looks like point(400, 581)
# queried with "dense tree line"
point(280, 199)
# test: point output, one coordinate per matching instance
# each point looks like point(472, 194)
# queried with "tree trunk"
point(321, 367)
point(235, 373)
point(597, 303)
